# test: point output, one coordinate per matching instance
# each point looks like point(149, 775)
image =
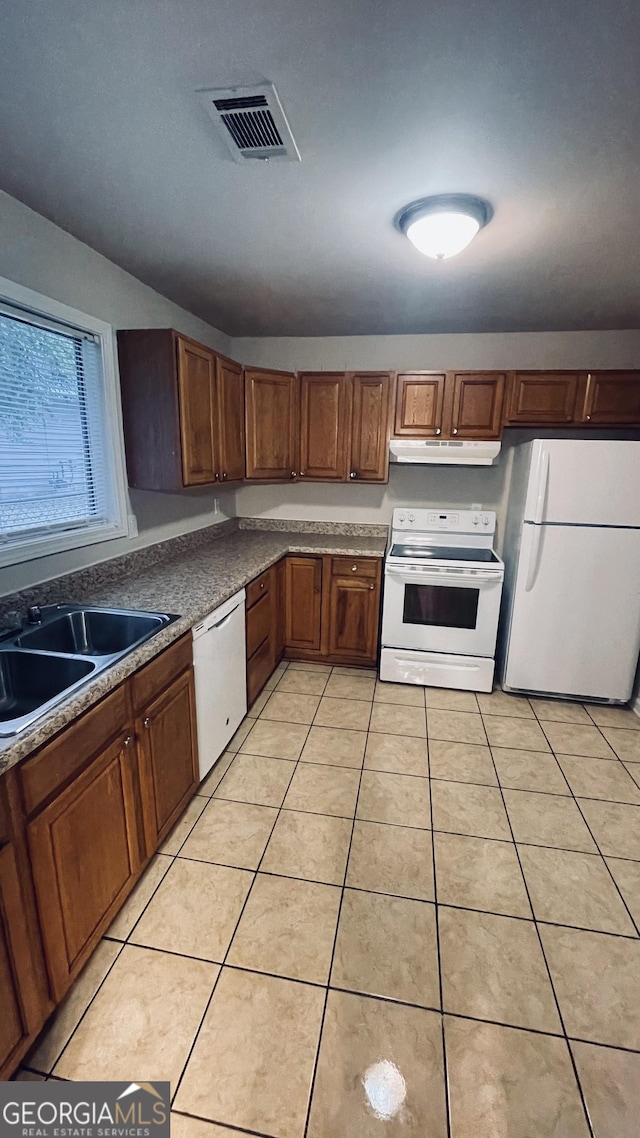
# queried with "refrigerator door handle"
point(534, 557)
point(541, 490)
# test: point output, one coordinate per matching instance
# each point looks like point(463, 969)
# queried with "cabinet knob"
point(293, 473)
point(216, 476)
point(354, 568)
point(372, 586)
point(128, 741)
point(438, 431)
point(302, 473)
point(224, 475)
point(588, 417)
point(262, 584)
point(146, 722)
point(353, 474)
point(454, 431)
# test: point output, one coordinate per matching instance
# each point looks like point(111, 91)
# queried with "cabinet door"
point(85, 856)
point(370, 395)
point(324, 426)
point(281, 592)
point(477, 405)
point(230, 387)
point(419, 404)
point(168, 756)
point(353, 617)
point(198, 412)
point(542, 397)
point(22, 1008)
point(272, 414)
point(303, 597)
point(612, 397)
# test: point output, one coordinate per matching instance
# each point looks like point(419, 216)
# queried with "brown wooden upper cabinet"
point(370, 426)
point(466, 405)
point(320, 426)
point(542, 397)
point(612, 397)
point(272, 414)
point(183, 413)
point(419, 404)
point(477, 404)
point(323, 426)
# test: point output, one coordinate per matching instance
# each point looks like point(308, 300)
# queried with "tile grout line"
point(240, 915)
point(544, 956)
point(445, 1068)
point(312, 1085)
point(576, 800)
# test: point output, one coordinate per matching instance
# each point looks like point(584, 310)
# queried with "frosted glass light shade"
point(444, 225)
point(441, 235)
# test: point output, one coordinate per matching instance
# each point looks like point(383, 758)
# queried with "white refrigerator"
point(573, 544)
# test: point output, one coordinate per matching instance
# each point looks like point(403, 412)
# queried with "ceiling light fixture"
point(443, 225)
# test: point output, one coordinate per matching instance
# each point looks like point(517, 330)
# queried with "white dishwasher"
point(220, 669)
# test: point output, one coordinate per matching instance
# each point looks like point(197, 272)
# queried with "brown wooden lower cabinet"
point(262, 622)
point(125, 772)
point(354, 604)
point(303, 598)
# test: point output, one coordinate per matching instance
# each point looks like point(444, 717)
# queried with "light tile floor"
point(389, 910)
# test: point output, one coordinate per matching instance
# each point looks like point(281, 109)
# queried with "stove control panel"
point(444, 521)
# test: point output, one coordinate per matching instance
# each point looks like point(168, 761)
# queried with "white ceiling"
point(533, 104)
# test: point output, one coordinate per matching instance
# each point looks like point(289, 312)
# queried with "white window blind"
point(55, 457)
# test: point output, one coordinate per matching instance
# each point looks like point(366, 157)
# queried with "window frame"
point(44, 307)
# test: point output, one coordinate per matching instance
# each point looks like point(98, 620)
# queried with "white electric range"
point(442, 589)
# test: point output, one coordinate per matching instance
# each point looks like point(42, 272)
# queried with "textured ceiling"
point(533, 104)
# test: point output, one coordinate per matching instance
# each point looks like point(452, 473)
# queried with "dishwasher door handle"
point(225, 620)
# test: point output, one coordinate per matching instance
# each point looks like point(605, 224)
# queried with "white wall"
point(38, 254)
point(408, 486)
point(492, 350)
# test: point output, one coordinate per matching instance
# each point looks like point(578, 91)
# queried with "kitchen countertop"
point(191, 584)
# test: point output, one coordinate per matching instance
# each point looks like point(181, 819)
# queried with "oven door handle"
point(419, 577)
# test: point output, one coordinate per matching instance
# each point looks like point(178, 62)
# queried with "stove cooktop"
point(444, 553)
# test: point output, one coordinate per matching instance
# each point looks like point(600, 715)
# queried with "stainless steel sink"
point(91, 632)
point(44, 663)
point(31, 682)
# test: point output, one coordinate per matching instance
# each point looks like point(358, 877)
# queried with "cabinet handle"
point(354, 568)
point(353, 474)
point(293, 473)
point(454, 431)
point(146, 722)
point(128, 741)
point(438, 430)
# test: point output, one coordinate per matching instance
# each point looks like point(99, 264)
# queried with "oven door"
point(441, 609)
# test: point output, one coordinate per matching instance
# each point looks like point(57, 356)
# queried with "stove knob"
point(412, 517)
point(485, 520)
point(401, 517)
point(475, 519)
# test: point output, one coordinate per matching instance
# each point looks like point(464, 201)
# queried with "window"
point(61, 468)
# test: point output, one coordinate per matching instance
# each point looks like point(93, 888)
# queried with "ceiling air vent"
point(252, 122)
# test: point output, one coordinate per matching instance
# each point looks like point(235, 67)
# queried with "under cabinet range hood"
point(444, 452)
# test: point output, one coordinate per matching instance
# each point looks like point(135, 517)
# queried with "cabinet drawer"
point(259, 668)
point(150, 680)
point(354, 567)
point(60, 760)
point(259, 623)
point(258, 587)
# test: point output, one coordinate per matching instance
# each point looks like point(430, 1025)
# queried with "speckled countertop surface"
point(191, 584)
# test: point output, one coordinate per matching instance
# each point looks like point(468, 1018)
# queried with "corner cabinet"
point(183, 411)
point(317, 426)
point(354, 602)
point(272, 416)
